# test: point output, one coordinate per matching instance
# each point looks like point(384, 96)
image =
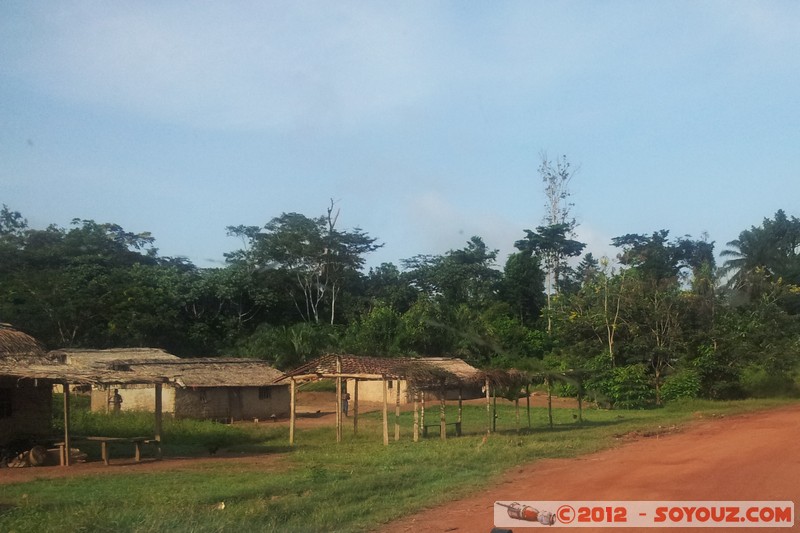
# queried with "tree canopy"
point(659, 322)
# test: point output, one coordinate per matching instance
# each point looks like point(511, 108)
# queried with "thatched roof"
point(125, 366)
point(422, 372)
point(100, 358)
point(204, 372)
point(14, 343)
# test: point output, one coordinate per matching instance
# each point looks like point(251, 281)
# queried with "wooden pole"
point(159, 409)
point(66, 457)
point(442, 419)
point(528, 402)
point(338, 399)
point(422, 413)
point(488, 408)
point(550, 402)
point(416, 418)
point(355, 406)
point(397, 411)
point(460, 404)
point(385, 413)
point(292, 409)
point(494, 409)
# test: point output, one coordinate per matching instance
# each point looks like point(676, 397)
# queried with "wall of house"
point(26, 409)
point(372, 391)
point(232, 403)
point(134, 398)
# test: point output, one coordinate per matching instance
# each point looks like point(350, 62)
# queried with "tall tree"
point(553, 245)
point(465, 276)
point(316, 255)
point(522, 287)
point(763, 255)
point(559, 224)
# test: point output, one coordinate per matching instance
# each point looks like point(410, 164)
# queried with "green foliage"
point(380, 332)
point(759, 383)
point(288, 347)
point(763, 256)
point(460, 277)
point(624, 387)
point(295, 289)
point(681, 385)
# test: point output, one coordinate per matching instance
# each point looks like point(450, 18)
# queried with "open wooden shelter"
point(413, 377)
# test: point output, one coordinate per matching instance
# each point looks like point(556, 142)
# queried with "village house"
point(205, 388)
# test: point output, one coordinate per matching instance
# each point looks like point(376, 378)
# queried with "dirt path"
point(743, 457)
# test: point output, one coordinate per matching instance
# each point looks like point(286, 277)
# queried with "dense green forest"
point(660, 321)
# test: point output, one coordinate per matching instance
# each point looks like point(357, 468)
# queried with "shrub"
point(683, 384)
point(759, 383)
point(625, 387)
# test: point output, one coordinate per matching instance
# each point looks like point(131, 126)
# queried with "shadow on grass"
point(544, 430)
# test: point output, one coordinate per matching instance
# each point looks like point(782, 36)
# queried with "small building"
point(26, 404)
point(205, 388)
point(214, 388)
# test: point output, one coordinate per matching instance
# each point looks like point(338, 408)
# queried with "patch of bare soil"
point(750, 457)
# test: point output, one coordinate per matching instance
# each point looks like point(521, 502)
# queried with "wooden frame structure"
point(422, 376)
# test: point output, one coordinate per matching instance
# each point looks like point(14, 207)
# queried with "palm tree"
point(763, 255)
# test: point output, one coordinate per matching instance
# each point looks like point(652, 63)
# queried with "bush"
point(625, 387)
point(684, 384)
point(758, 383)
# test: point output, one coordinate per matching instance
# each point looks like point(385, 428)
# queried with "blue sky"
point(425, 121)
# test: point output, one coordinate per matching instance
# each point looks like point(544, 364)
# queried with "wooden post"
point(550, 401)
point(385, 413)
point(528, 402)
point(488, 408)
point(494, 409)
point(292, 409)
point(355, 406)
point(580, 400)
point(397, 411)
point(460, 404)
point(66, 425)
point(338, 399)
point(442, 419)
point(159, 408)
point(422, 414)
point(416, 418)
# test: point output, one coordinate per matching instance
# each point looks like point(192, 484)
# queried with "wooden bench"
point(457, 425)
point(138, 442)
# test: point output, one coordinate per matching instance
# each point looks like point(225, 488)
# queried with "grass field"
point(318, 485)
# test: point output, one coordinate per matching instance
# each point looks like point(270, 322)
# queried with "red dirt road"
point(745, 457)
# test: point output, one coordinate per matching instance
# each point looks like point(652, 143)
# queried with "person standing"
point(346, 403)
point(116, 402)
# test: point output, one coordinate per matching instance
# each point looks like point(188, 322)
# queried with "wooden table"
point(104, 446)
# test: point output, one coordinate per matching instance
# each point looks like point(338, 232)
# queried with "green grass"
point(321, 485)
